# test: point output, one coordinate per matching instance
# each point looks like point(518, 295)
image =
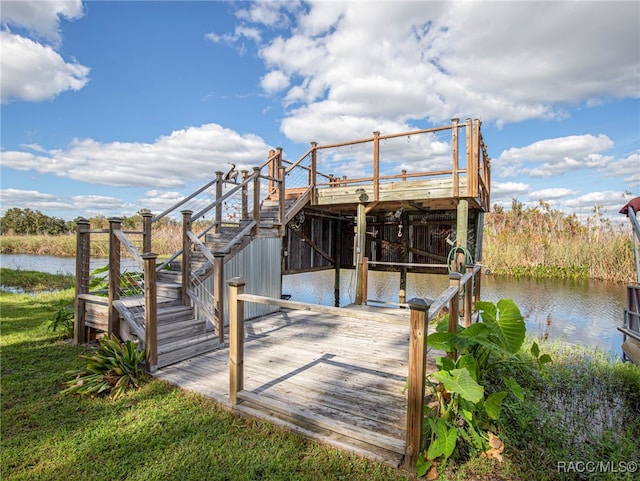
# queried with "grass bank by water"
point(582, 409)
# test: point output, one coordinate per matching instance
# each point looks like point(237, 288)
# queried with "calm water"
point(585, 313)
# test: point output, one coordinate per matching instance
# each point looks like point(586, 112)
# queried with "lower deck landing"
point(338, 380)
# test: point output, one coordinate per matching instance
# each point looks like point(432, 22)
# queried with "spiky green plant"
point(62, 319)
point(112, 369)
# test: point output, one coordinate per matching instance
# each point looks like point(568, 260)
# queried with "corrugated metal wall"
point(259, 264)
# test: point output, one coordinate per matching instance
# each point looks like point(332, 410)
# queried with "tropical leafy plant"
point(62, 320)
point(112, 369)
point(462, 408)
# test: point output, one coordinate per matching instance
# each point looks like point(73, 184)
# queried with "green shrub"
point(62, 320)
point(112, 369)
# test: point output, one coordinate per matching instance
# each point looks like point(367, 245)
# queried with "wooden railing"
point(423, 311)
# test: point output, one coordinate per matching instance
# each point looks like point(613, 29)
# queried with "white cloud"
point(628, 168)
point(551, 193)
point(35, 72)
point(41, 18)
point(557, 156)
point(274, 81)
point(436, 60)
point(184, 155)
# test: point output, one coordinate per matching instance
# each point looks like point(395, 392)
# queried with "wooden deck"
point(338, 380)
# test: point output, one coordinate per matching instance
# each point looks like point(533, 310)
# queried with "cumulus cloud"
point(34, 71)
point(552, 193)
point(274, 81)
point(41, 19)
point(184, 155)
point(438, 60)
point(556, 156)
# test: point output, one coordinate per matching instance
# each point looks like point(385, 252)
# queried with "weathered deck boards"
point(339, 380)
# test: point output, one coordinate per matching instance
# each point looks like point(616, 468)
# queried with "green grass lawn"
point(583, 409)
point(156, 433)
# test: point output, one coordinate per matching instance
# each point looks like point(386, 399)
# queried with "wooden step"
point(174, 313)
point(176, 331)
point(182, 349)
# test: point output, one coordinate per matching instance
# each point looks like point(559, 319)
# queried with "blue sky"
point(110, 107)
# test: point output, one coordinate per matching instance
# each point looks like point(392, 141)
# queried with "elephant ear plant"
point(463, 408)
point(112, 369)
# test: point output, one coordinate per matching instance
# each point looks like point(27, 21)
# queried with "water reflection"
point(583, 313)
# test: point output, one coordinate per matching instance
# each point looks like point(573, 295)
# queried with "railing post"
point(245, 210)
point(147, 222)
point(218, 293)
point(416, 380)
point(272, 170)
point(469, 149)
point(454, 281)
point(313, 171)
point(218, 211)
point(365, 279)
point(404, 175)
point(376, 166)
point(468, 296)
point(256, 196)
point(236, 339)
point(83, 257)
point(150, 311)
point(455, 158)
point(113, 326)
point(281, 200)
point(475, 162)
point(186, 254)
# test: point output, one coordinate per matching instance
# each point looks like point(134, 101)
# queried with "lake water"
point(584, 313)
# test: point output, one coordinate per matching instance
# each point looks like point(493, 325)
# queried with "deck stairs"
point(180, 335)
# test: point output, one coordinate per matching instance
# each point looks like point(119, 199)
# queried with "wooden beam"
point(150, 311)
point(236, 338)
point(416, 380)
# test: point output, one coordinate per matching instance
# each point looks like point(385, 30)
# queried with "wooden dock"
point(346, 375)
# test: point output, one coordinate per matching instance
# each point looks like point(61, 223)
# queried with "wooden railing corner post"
point(186, 254)
point(218, 293)
point(83, 258)
point(151, 310)
point(376, 166)
point(245, 209)
point(147, 223)
point(313, 173)
point(236, 338)
point(113, 325)
point(416, 380)
point(281, 201)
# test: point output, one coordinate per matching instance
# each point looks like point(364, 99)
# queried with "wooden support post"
point(462, 229)
point(218, 210)
point(416, 380)
point(405, 257)
point(454, 281)
point(404, 175)
point(113, 326)
point(256, 196)
point(468, 162)
point(365, 279)
point(245, 210)
point(150, 311)
point(337, 262)
point(147, 222)
point(281, 201)
point(376, 166)
point(236, 339)
point(468, 297)
point(218, 293)
point(360, 251)
point(455, 157)
point(313, 171)
point(186, 254)
point(83, 257)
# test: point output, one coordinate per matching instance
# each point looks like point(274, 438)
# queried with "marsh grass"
point(34, 280)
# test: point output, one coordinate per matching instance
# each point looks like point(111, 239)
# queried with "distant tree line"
point(33, 222)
